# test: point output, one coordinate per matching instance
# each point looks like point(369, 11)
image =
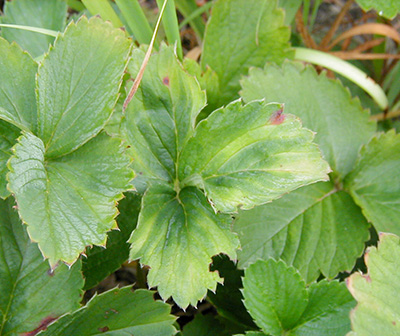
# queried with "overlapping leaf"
point(317, 229)
point(239, 35)
point(244, 156)
point(32, 295)
point(322, 104)
point(281, 304)
point(65, 185)
point(386, 8)
point(8, 138)
point(375, 182)
point(49, 14)
point(177, 235)
point(117, 312)
point(377, 292)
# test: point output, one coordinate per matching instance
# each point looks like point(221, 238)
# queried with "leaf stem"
point(32, 29)
point(346, 70)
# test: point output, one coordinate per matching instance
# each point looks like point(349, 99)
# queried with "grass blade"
point(104, 9)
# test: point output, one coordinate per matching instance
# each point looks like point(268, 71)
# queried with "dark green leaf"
point(204, 325)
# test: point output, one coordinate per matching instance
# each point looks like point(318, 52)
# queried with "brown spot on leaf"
point(394, 323)
point(367, 278)
point(104, 329)
point(166, 81)
point(42, 326)
point(277, 117)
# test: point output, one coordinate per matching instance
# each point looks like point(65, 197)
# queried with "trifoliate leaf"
point(386, 8)
point(162, 114)
point(32, 295)
point(375, 182)
point(377, 292)
point(69, 202)
point(49, 14)
point(117, 312)
point(322, 104)
point(177, 234)
point(317, 229)
point(281, 304)
point(101, 262)
point(242, 34)
point(244, 156)
point(17, 86)
point(78, 84)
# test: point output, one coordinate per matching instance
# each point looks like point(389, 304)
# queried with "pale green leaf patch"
point(377, 292)
point(386, 8)
point(375, 182)
point(248, 155)
point(32, 295)
point(280, 303)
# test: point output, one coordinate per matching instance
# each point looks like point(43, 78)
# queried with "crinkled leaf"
point(176, 236)
point(162, 114)
point(317, 229)
point(17, 86)
point(117, 312)
point(239, 35)
point(68, 202)
point(377, 292)
point(8, 138)
point(244, 156)
point(31, 294)
point(281, 304)
point(204, 325)
point(49, 14)
point(78, 84)
point(228, 298)
point(100, 261)
point(386, 8)
point(375, 182)
point(322, 104)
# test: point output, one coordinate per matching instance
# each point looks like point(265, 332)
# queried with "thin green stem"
point(192, 14)
point(346, 70)
point(32, 29)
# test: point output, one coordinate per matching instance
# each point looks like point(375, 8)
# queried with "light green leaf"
point(244, 156)
point(8, 138)
point(322, 104)
point(17, 86)
point(101, 262)
point(375, 182)
point(117, 312)
point(68, 203)
point(31, 294)
point(242, 34)
point(377, 292)
point(176, 236)
point(317, 229)
point(386, 8)
point(290, 7)
point(50, 14)
point(162, 114)
point(78, 84)
point(281, 304)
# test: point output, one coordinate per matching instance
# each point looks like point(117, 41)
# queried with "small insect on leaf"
point(277, 117)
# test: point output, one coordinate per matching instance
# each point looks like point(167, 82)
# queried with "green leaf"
point(117, 312)
point(69, 202)
point(317, 229)
point(322, 104)
point(204, 325)
point(17, 86)
point(49, 14)
point(290, 7)
point(76, 95)
point(385, 8)
point(100, 261)
point(228, 298)
point(242, 34)
point(32, 295)
point(281, 304)
point(377, 292)
point(177, 235)
point(375, 182)
point(162, 114)
point(244, 156)
point(8, 138)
